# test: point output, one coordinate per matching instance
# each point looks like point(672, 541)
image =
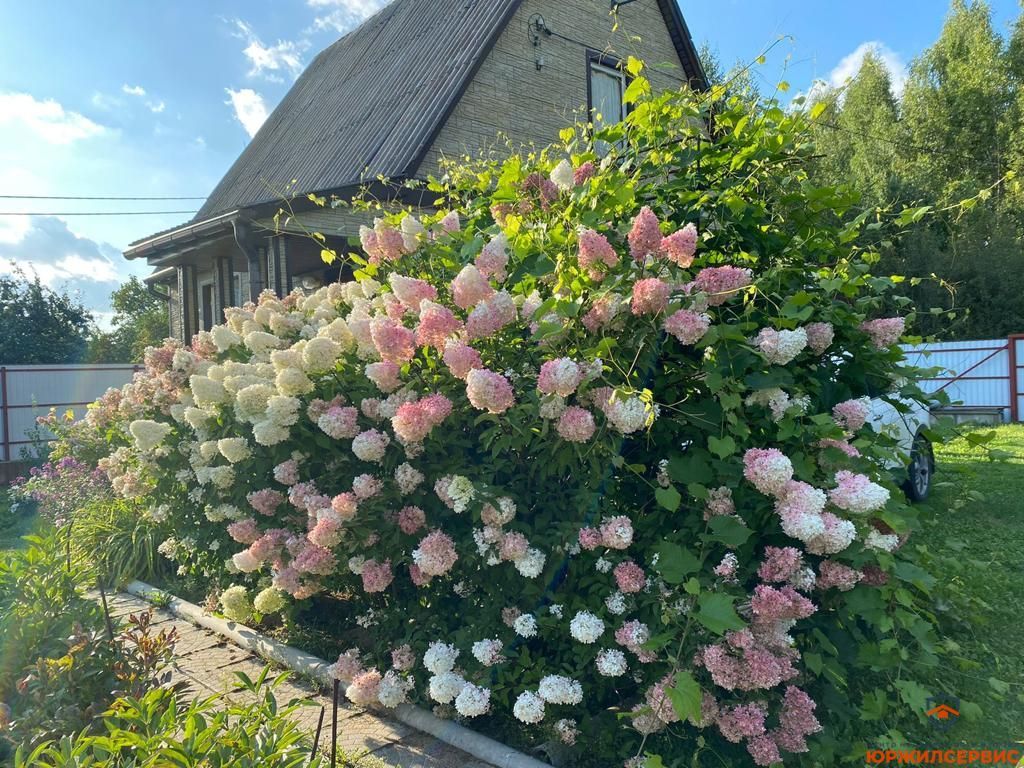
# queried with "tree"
point(140, 321)
point(39, 324)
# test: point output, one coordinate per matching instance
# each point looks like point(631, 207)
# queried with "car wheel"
point(920, 470)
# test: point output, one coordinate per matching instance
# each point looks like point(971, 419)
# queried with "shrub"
point(585, 452)
point(157, 729)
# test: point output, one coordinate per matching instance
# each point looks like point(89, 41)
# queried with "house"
point(416, 82)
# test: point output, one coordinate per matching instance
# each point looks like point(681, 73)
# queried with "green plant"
point(158, 729)
point(116, 540)
point(65, 694)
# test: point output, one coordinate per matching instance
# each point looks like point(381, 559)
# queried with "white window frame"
point(594, 65)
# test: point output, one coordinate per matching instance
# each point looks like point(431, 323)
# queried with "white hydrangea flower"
point(563, 175)
point(269, 601)
point(445, 687)
point(473, 700)
point(440, 657)
point(355, 564)
point(488, 652)
point(408, 478)
point(529, 708)
point(586, 628)
point(555, 609)
point(886, 542)
point(461, 491)
point(602, 565)
point(525, 625)
point(393, 689)
point(234, 602)
point(531, 565)
point(616, 603)
point(611, 662)
point(558, 689)
point(234, 449)
point(148, 434)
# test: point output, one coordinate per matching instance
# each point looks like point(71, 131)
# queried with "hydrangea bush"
point(585, 453)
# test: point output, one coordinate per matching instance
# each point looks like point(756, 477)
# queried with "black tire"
point(921, 469)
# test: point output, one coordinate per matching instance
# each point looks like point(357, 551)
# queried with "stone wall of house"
point(511, 96)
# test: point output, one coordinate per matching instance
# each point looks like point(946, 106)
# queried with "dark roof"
point(371, 104)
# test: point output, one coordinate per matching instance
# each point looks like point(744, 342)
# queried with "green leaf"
point(675, 563)
point(915, 574)
point(722, 446)
point(685, 696)
point(729, 530)
point(691, 467)
point(669, 498)
point(913, 694)
point(717, 613)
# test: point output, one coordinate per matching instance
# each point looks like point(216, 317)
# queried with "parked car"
point(909, 428)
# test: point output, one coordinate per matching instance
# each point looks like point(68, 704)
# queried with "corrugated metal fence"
point(28, 391)
point(985, 374)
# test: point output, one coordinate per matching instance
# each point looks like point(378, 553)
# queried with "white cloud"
point(47, 118)
point(343, 15)
point(284, 56)
point(63, 260)
point(850, 65)
point(106, 102)
point(250, 109)
point(133, 90)
point(156, 107)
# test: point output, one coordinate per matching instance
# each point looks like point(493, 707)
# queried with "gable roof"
point(371, 104)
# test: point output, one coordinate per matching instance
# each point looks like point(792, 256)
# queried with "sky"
point(130, 99)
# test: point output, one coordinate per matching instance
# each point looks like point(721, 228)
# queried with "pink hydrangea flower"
point(394, 342)
point(437, 325)
point(513, 546)
point(837, 535)
point(616, 532)
point(744, 721)
point(491, 315)
point(721, 283)
point(265, 501)
point(770, 604)
point(461, 359)
point(819, 336)
point(764, 750)
point(345, 505)
point(411, 519)
point(839, 445)
point(857, 494)
point(287, 472)
point(576, 424)
point(450, 223)
point(851, 415)
point(412, 291)
point(796, 720)
point(316, 560)
point(436, 554)
point(645, 235)
point(590, 538)
point(244, 531)
point(680, 246)
point(377, 576)
point(366, 486)
point(629, 577)
point(719, 502)
point(326, 533)
point(370, 445)
point(384, 376)
point(885, 331)
point(835, 574)
point(470, 287)
point(347, 666)
point(489, 391)
point(364, 689)
point(601, 314)
point(650, 296)
point(596, 254)
point(780, 563)
point(687, 326)
point(584, 173)
point(403, 658)
point(559, 377)
point(767, 469)
point(493, 259)
point(340, 422)
point(414, 421)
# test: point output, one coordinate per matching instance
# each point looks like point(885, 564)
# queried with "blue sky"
point(114, 97)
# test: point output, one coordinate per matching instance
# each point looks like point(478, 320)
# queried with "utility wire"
point(87, 197)
point(92, 213)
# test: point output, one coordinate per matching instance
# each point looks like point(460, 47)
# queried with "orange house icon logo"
point(943, 713)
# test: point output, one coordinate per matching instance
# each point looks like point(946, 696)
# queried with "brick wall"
point(509, 95)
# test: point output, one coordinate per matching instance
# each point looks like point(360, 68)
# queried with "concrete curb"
point(458, 736)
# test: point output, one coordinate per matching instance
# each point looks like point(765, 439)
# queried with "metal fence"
point(981, 375)
point(29, 391)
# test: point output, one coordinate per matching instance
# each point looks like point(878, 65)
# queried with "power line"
point(93, 213)
point(87, 197)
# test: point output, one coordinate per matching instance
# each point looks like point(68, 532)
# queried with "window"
point(239, 289)
point(606, 87)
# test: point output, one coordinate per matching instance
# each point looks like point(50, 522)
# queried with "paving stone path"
point(208, 663)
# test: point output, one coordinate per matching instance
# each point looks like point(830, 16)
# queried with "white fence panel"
point(29, 391)
point(974, 374)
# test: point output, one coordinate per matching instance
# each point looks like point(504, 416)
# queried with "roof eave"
point(186, 233)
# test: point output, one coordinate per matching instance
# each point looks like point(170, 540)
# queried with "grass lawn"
point(13, 526)
point(978, 544)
